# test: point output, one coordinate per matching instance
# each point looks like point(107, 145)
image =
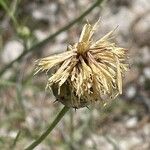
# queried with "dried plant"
point(88, 71)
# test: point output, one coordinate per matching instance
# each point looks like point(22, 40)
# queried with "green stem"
point(37, 46)
point(9, 12)
point(71, 130)
point(15, 140)
point(50, 128)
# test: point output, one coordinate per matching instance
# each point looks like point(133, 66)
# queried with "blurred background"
point(33, 29)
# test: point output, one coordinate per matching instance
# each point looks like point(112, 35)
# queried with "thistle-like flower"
point(88, 71)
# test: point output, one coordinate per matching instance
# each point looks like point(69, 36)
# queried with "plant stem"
point(15, 140)
point(37, 46)
point(9, 12)
point(71, 130)
point(49, 129)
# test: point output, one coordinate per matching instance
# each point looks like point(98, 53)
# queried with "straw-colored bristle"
point(88, 71)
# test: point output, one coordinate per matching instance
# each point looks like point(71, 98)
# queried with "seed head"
point(88, 71)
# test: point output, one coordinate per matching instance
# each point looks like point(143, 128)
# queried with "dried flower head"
point(88, 71)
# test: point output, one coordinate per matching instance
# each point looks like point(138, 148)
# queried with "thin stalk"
point(71, 130)
point(9, 12)
point(16, 139)
point(49, 129)
point(37, 46)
